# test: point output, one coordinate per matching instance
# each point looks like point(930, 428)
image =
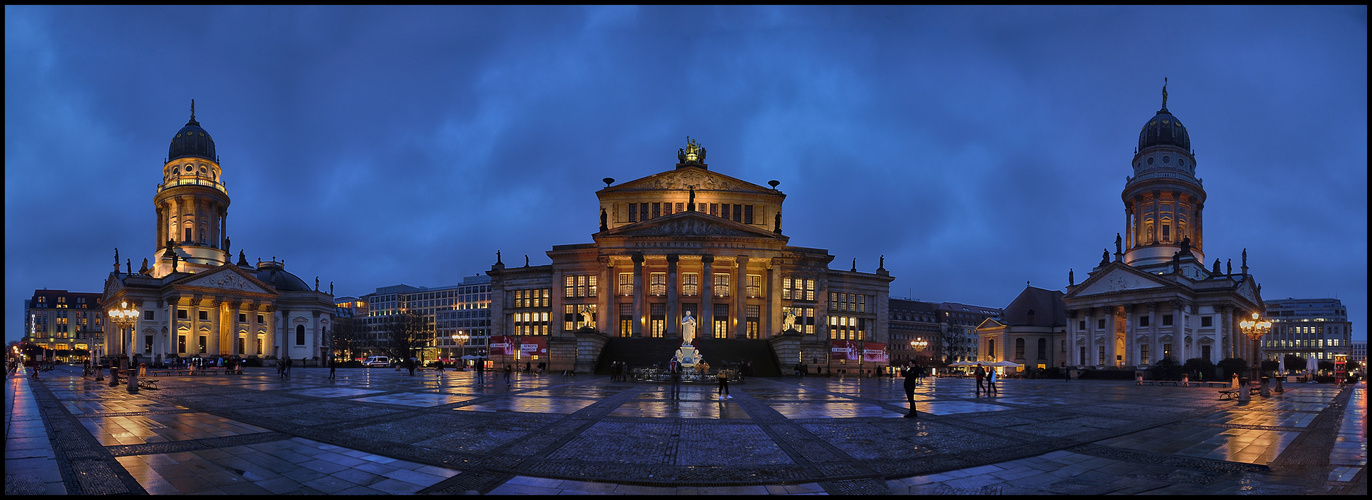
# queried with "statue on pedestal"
point(686, 354)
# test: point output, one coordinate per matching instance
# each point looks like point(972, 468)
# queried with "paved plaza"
point(381, 431)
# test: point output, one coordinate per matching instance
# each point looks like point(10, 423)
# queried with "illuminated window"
point(751, 320)
point(754, 285)
point(721, 284)
point(1100, 355)
point(1167, 351)
point(721, 321)
point(1143, 353)
point(786, 288)
point(181, 344)
point(203, 344)
point(690, 284)
point(809, 290)
point(569, 286)
point(657, 319)
point(590, 285)
point(626, 284)
point(657, 284)
point(626, 320)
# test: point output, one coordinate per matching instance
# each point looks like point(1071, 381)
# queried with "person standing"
point(289, 362)
point(980, 374)
point(411, 364)
point(723, 379)
point(333, 365)
point(911, 379)
point(991, 379)
point(509, 372)
point(674, 369)
point(280, 369)
point(480, 371)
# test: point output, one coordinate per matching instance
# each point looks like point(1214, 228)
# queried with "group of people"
point(619, 371)
point(990, 377)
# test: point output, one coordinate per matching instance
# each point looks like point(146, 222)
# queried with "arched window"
point(299, 334)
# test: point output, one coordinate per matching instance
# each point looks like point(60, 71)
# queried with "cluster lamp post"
point(1255, 329)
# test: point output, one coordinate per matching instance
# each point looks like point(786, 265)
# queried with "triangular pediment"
point(989, 323)
point(688, 224)
point(225, 277)
point(1248, 290)
point(1116, 278)
point(683, 178)
point(113, 284)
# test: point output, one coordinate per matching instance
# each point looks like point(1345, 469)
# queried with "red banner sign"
point(502, 345)
point(845, 350)
point(530, 346)
point(874, 352)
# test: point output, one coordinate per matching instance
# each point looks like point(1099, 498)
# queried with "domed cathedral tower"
point(1163, 199)
point(192, 205)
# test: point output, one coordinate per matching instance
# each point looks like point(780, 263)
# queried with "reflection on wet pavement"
point(128, 430)
point(414, 399)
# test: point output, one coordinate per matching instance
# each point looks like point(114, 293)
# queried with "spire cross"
point(193, 105)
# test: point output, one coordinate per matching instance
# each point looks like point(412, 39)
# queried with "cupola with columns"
point(192, 205)
point(1163, 200)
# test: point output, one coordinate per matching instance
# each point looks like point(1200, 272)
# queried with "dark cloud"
point(975, 147)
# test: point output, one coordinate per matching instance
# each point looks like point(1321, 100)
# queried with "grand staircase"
point(644, 352)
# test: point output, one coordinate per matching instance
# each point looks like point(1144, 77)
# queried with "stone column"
point(1110, 351)
point(671, 331)
point(740, 313)
point(639, 297)
point(771, 324)
point(161, 225)
point(605, 303)
point(283, 340)
point(1157, 218)
point(705, 324)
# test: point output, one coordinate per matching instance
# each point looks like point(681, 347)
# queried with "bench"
point(1228, 394)
point(147, 383)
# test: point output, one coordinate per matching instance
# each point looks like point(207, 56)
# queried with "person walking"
point(280, 369)
point(674, 369)
point(439, 366)
point(991, 379)
point(911, 380)
point(509, 372)
point(723, 379)
point(412, 365)
point(333, 365)
point(980, 374)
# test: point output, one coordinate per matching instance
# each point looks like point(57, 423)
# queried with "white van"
point(381, 361)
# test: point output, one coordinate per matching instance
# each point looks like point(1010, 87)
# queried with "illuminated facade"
point(1156, 299)
point(69, 323)
point(688, 240)
point(447, 310)
point(948, 328)
point(1031, 331)
point(191, 299)
point(1308, 327)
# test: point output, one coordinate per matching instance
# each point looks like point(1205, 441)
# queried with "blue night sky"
point(977, 148)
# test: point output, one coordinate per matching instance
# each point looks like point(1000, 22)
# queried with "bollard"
point(1243, 391)
point(114, 377)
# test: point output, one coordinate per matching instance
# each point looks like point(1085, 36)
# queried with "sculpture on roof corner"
point(692, 154)
point(1104, 257)
point(604, 226)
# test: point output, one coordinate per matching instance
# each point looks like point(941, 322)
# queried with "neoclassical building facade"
point(1156, 298)
point(192, 300)
point(689, 241)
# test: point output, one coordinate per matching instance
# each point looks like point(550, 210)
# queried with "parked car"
point(381, 361)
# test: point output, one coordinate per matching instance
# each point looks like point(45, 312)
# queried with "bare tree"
point(407, 334)
point(351, 336)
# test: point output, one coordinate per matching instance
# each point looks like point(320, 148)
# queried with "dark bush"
point(1230, 366)
point(1107, 374)
point(1165, 369)
point(1200, 368)
point(1270, 365)
point(252, 362)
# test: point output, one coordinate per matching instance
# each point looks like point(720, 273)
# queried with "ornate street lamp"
point(124, 316)
point(461, 339)
point(919, 344)
point(1255, 329)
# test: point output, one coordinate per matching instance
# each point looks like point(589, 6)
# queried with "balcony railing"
point(193, 181)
